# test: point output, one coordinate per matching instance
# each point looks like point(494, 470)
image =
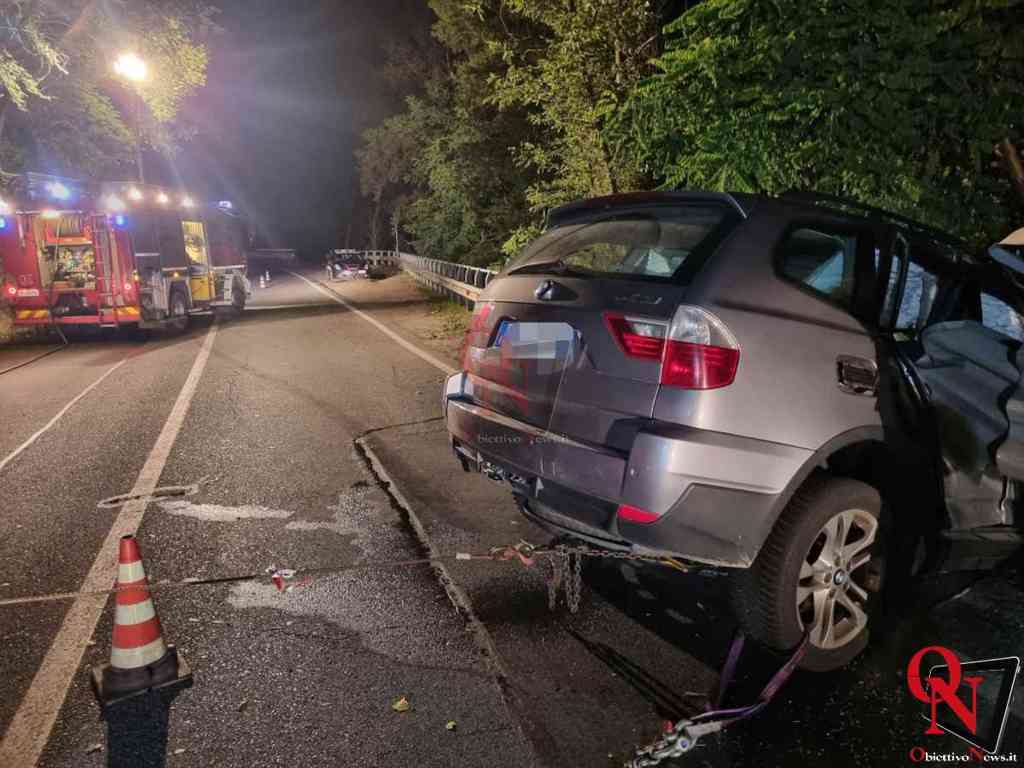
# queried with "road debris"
point(92, 749)
point(244, 705)
point(280, 577)
point(158, 493)
point(402, 705)
point(451, 725)
point(179, 751)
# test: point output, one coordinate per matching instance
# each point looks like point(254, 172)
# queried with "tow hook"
point(495, 473)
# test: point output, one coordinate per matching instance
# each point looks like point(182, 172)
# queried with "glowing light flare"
point(162, 198)
point(130, 66)
point(58, 190)
point(49, 213)
point(135, 194)
point(187, 202)
point(5, 208)
point(114, 203)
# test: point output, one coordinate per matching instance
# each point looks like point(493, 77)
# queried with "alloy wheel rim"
point(831, 599)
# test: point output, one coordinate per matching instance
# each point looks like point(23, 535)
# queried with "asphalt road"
point(315, 441)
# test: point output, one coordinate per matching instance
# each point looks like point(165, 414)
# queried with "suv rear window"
point(653, 244)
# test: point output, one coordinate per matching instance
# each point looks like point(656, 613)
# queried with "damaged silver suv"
point(817, 395)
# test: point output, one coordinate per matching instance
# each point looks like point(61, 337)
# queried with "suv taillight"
point(476, 332)
point(637, 336)
point(696, 350)
point(701, 352)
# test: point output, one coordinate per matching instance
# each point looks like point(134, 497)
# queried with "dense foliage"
point(895, 103)
point(61, 108)
point(530, 103)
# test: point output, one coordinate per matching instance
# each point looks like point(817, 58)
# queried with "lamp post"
point(133, 69)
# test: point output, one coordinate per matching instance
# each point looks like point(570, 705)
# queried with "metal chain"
point(566, 562)
point(574, 584)
point(555, 581)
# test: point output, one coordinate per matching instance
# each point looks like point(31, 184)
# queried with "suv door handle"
point(857, 375)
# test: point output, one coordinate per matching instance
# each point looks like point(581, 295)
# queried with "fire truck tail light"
point(128, 287)
point(11, 290)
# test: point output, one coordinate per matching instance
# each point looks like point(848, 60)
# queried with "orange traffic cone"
point(140, 660)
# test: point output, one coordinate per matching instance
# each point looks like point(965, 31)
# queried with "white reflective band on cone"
point(134, 614)
point(129, 572)
point(133, 658)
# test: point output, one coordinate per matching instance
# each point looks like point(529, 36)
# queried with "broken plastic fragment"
point(280, 575)
point(402, 705)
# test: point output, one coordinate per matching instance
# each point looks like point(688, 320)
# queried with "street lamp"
point(132, 68)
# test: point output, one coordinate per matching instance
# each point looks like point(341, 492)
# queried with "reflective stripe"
point(136, 635)
point(129, 573)
point(133, 593)
point(127, 615)
point(133, 658)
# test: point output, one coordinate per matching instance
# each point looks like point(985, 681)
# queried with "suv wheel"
point(816, 573)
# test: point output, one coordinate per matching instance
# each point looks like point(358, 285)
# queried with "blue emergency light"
point(120, 221)
point(3, 223)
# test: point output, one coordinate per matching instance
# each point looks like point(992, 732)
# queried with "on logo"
point(951, 690)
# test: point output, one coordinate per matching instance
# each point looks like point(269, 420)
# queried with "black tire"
point(238, 295)
point(178, 321)
point(765, 596)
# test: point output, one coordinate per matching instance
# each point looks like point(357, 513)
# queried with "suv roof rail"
point(824, 199)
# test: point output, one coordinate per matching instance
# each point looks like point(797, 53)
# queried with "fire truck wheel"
point(238, 296)
point(178, 322)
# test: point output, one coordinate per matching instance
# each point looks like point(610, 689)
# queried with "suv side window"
point(823, 261)
point(919, 292)
point(1000, 316)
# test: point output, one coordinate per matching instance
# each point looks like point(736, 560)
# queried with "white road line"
point(30, 729)
point(49, 425)
point(266, 307)
point(381, 327)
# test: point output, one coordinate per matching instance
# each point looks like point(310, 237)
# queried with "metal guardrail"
point(460, 281)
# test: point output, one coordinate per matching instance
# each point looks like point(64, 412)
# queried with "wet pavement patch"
point(219, 513)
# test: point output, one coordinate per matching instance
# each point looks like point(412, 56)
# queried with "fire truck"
point(118, 254)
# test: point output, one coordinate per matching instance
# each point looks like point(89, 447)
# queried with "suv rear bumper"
point(718, 495)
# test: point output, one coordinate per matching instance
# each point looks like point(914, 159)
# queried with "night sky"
point(290, 87)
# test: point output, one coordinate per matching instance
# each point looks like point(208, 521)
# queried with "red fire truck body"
point(120, 255)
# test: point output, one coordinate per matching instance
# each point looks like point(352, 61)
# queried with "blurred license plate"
point(535, 341)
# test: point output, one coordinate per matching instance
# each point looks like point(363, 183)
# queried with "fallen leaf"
point(94, 748)
point(450, 725)
point(402, 705)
